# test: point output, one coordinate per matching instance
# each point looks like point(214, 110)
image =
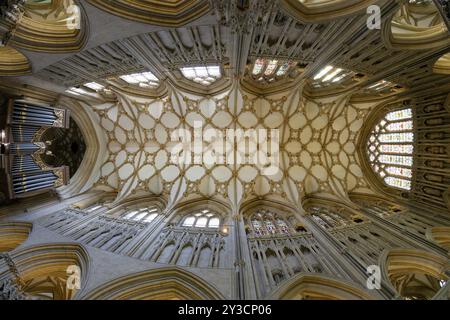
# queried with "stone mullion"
point(80, 222)
point(196, 248)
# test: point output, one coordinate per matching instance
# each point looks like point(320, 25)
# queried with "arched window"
point(329, 219)
point(270, 70)
point(141, 79)
point(202, 219)
point(390, 148)
point(145, 215)
point(264, 223)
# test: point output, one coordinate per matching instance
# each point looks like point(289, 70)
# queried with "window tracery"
point(142, 79)
point(267, 223)
point(331, 75)
point(390, 148)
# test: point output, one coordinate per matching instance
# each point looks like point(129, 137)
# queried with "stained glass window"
point(390, 148)
point(202, 219)
point(266, 223)
point(205, 75)
point(269, 70)
point(331, 75)
point(142, 79)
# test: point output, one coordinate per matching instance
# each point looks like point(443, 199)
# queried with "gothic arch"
point(413, 273)
point(440, 235)
point(13, 234)
point(173, 14)
point(314, 287)
point(43, 270)
point(158, 284)
point(12, 62)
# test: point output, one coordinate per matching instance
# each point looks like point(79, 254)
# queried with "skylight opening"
point(205, 75)
point(79, 91)
point(142, 79)
point(383, 86)
point(390, 148)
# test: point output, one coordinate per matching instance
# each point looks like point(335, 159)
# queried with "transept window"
point(142, 79)
point(204, 75)
point(145, 215)
point(202, 219)
point(383, 86)
point(270, 70)
point(390, 148)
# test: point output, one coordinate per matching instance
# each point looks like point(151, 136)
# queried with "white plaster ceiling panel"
point(316, 138)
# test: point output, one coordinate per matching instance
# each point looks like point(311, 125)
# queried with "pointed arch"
point(12, 62)
point(57, 26)
point(322, 10)
point(166, 13)
point(314, 287)
point(440, 235)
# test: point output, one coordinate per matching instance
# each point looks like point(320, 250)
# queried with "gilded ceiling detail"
point(317, 143)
